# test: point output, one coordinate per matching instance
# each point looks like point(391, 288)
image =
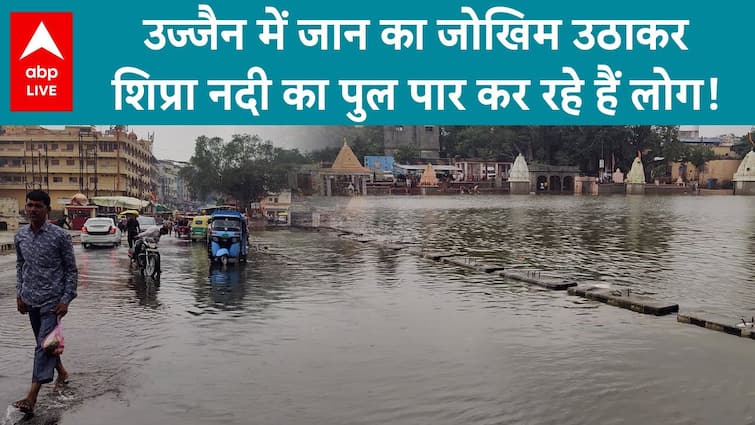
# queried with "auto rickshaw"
point(199, 225)
point(182, 225)
point(228, 238)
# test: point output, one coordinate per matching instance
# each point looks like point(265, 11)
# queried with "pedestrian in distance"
point(46, 280)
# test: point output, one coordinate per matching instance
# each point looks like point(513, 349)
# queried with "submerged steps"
point(471, 263)
point(535, 278)
point(437, 256)
point(717, 323)
point(627, 300)
point(634, 302)
point(623, 299)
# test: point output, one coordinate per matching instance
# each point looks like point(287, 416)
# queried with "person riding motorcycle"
point(153, 232)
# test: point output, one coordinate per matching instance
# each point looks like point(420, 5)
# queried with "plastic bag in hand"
point(53, 343)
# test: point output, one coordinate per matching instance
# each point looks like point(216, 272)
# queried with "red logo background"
point(33, 94)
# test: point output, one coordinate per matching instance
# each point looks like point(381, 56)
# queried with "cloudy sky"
point(177, 142)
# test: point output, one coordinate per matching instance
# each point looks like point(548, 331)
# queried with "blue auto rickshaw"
point(227, 240)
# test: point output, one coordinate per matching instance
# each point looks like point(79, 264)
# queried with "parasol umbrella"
point(124, 213)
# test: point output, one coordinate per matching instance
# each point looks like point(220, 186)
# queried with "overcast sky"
point(177, 142)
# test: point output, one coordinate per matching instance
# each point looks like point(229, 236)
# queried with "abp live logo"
point(41, 61)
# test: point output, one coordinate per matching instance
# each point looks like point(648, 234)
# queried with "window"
point(90, 162)
point(73, 180)
point(54, 147)
point(57, 179)
point(69, 147)
point(54, 162)
point(16, 163)
point(429, 129)
point(70, 162)
point(92, 179)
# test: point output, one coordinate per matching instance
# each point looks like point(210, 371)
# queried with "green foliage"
point(743, 146)
point(406, 154)
point(323, 155)
point(583, 146)
point(699, 155)
point(363, 141)
point(245, 169)
point(203, 172)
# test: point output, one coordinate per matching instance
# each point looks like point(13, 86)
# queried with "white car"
point(100, 231)
point(145, 222)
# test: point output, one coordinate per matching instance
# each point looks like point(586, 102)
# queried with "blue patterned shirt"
point(46, 272)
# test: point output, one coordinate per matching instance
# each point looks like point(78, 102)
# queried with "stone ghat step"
point(396, 246)
point(638, 303)
point(437, 256)
point(717, 323)
point(472, 264)
point(535, 278)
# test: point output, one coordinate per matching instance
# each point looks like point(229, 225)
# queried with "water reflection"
point(386, 264)
point(146, 290)
point(667, 245)
point(226, 288)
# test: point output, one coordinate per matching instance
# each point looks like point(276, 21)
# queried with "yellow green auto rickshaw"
point(199, 226)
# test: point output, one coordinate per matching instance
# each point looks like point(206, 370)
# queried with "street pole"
point(47, 169)
point(96, 177)
point(81, 163)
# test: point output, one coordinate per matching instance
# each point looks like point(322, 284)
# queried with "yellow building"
point(74, 159)
point(719, 169)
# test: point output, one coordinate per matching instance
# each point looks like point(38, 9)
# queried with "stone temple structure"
point(635, 182)
point(519, 177)
point(744, 178)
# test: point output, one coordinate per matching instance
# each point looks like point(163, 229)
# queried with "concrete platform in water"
point(437, 256)
point(730, 326)
point(472, 264)
point(623, 299)
point(391, 245)
point(536, 278)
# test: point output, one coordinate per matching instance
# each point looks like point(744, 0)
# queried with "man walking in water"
point(46, 279)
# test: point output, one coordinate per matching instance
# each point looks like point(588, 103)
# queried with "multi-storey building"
point(171, 188)
point(425, 138)
point(76, 159)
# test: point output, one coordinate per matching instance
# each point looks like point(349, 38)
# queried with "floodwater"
point(318, 329)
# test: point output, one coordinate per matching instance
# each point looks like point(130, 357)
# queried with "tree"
point(406, 154)
point(203, 171)
point(245, 169)
point(323, 155)
point(698, 156)
point(743, 146)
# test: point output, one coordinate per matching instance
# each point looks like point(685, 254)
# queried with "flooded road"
point(323, 330)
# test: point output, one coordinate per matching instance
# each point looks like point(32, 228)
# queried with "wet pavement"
point(319, 329)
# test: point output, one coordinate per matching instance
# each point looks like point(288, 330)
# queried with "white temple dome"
point(746, 170)
point(519, 170)
point(637, 172)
